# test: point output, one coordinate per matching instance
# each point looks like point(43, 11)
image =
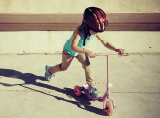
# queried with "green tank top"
point(67, 45)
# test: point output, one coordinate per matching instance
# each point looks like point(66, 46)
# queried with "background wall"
point(78, 6)
point(53, 41)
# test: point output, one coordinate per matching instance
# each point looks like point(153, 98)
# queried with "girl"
point(94, 22)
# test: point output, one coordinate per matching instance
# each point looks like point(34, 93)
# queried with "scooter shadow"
point(82, 101)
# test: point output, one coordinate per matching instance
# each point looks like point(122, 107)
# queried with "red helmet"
point(95, 19)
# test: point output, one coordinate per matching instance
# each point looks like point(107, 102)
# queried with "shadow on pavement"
point(30, 78)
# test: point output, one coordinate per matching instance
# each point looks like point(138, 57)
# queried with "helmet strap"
point(86, 34)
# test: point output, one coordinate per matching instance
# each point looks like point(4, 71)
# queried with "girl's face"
point(92, 32)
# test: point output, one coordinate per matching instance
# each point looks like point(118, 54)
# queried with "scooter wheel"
point(108, 108)
point(77, 90)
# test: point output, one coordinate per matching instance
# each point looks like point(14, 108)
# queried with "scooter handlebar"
point(110, 53)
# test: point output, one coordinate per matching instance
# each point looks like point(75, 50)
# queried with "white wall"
point(53, 41)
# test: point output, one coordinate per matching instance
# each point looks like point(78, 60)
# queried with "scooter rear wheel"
point(108, 108)
point(77, 90)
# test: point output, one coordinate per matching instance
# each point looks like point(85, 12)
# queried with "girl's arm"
point(74, 45)
point(108, 44)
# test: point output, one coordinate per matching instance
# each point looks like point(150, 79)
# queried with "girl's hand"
point(122, 51)
point(90, 54)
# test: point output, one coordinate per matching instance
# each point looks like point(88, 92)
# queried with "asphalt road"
point(24, 93)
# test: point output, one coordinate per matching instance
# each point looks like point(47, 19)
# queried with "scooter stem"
point(107, 79)
point(107, 55)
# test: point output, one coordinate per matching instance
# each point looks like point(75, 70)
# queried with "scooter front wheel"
point(108, 107)
point(77, 90)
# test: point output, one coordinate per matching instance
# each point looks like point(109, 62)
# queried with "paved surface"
point(25, 94)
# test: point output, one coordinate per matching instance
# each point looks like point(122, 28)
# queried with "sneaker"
point(93, 91)
point(48, 74)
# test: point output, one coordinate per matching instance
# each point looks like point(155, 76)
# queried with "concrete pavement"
point(25, 93)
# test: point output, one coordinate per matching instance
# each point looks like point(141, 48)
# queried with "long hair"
point(86, 30)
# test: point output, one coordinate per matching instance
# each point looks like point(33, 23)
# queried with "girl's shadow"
point(30, 78)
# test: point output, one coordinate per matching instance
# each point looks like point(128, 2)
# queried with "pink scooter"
point(108, 103)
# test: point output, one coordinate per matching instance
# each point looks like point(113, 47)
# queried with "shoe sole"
point(46, 72)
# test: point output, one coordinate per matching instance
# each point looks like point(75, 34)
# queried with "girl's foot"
point(93, 91)
point(48, 74)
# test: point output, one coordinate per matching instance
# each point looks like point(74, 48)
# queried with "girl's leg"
point(82, 58)
point(89, 74)
point(66, 61)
